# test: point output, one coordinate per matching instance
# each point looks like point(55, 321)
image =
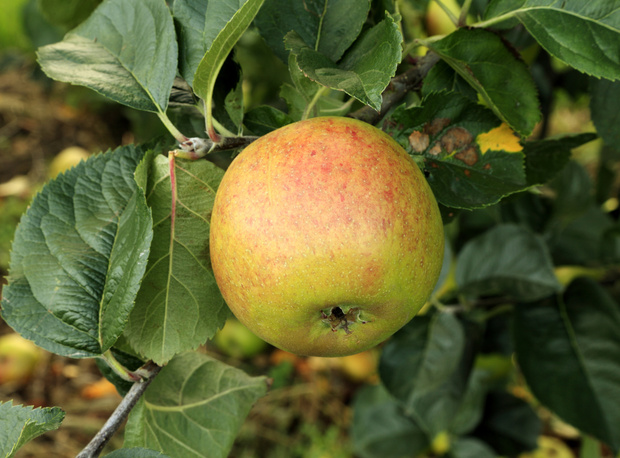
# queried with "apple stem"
point(118, 368)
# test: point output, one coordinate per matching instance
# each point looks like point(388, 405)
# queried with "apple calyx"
point(337, 318)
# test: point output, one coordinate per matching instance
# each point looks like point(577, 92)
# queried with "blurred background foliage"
point(46, 127)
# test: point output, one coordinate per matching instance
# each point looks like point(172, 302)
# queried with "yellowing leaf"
point(501, 138)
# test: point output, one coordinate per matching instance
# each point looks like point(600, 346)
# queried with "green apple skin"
point(319, 217)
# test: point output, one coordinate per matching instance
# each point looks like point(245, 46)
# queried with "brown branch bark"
point(96, 445)
point(397, 89)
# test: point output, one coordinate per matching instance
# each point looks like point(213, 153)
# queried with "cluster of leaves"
point(111, 261)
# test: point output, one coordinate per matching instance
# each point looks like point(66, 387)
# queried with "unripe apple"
point(325, 237)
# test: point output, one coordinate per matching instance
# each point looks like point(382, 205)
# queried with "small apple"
point(325, 237)
point(18, 358)
point(237, 341)
point(437, 20)
point(67, 158)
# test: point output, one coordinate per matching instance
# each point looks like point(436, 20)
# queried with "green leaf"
point(545, 158)
point(263, 119)
point(179, 305)
point(19, 424)
point(426, 366)
point(442, 77)
point(421, 356)
point(471, 161)
point(585, 35)
point(470, 447)
point(381, 429)
point(509, 425)
point(502, 80)
point(135, 452)
point(507, 260)
point(365, 70)
point(225, 22)
point(194, 408)
point(67, 13)
point(79, 255)
point(605, 114)
point(582, 241)
point(126, 50)
point(568, 350)
point(319, 23)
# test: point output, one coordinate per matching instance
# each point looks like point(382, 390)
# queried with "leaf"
point(470, 447)
point(605, 114)
point(507, 260)
point(568, 350)
point(441, 77)
point(225, 22)
point(179, 305)
point(135, 452)
point(509, 425)
point(79, 255)
point(421, 356)
point(126, 50)
point(194, 408)
point(585, 35)
point(19, 424)
point(545, 158)
point(67, 13)
point(263, 119)
point(502, 80)
point(426, 366)
point(318, 22)
point(447, 130)
point(365, 70)
point(381, 429)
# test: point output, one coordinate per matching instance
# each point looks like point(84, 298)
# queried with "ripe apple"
point(325, 237)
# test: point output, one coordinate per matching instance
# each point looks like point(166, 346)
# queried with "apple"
point(67, 158)
point(18, 358)
point(237, 341)
point(325, 237)
point(437, 20)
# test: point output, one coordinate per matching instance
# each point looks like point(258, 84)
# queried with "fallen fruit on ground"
point(325, 237)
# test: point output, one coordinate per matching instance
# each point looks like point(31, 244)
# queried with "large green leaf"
point(79, 255)
point(503, 81)
point(135, 452)
point(194, 408)
point(426, 366)
point(126, 50)
point(471, 161)
point(584, 34)
point(380, 428)
point(507, 260)
point(509, 425)
point(319, 23)
point(545, 158)
point(364, 71)
point(179, 305)
point(568, 351)
point(19, 424)
point(225, 22)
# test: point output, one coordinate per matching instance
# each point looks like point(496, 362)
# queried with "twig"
point(397, 89)
point(196, 147)
point(95, 446)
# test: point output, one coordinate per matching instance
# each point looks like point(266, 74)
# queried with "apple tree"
point(111, 260)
